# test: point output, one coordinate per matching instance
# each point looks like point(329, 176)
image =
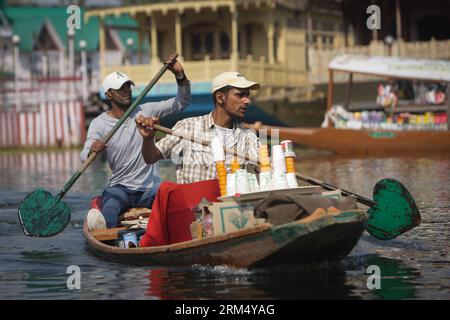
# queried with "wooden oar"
point(202, 142)
point(43, 215)
point(392, 211)
point(363, 200)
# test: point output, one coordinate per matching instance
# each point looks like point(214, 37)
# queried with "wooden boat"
point(348, 141)
point(377, 141)
point(327, 237)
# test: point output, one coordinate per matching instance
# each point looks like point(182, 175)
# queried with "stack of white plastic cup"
point(278, 162)
point(265, 181)
point(252, 182)
point(279, 180)
point(279, 168)
point(231, 184)
point(291, 180)
point(241, 181)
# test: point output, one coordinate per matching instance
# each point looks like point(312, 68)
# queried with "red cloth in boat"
point(96, 203)
point(172, 211)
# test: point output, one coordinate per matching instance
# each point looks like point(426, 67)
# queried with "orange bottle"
point(289, 158)
point(264, 158)
point(235, 165)
point(289, 155)
point(219, 160)
point(222, 175)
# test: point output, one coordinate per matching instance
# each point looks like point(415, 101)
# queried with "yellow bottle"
point(235, 165)
point(222, 175)
point(219, 160)
point(289, 155)
point(290, 166)
point(289, 158)
point(264, 158)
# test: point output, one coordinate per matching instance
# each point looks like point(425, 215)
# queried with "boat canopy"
point(393, 67)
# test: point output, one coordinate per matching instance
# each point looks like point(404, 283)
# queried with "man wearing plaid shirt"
point(194, 161)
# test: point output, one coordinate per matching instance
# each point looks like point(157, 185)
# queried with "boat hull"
point(326, 238)
point(345, 141)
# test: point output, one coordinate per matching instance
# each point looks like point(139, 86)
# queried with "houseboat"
point(409, 115)
point(263, 39)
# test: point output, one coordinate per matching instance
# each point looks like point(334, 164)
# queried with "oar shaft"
point(361, 199)
point(76, 175)
point(310, 180)
point(202, 142)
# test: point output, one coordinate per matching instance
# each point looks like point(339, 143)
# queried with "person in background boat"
point(194, 162)
point(133, 183)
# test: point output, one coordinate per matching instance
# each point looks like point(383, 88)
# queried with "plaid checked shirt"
point(194, 162)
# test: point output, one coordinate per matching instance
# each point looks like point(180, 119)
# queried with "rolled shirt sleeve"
point(170, 143)
point(170, 106)
point(94, 133)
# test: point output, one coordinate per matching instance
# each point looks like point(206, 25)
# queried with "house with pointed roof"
point(263, 39)
point(41, 101)
point(44, 41)
point(5, 36)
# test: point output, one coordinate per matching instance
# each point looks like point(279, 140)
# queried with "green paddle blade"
point(42, 215)
point(394, 212)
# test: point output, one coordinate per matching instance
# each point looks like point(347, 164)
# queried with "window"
point(248, 39)
point(224, 43)
point(196, 41)
point(209, 43)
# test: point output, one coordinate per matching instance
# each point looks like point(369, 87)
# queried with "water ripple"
point(413, 266)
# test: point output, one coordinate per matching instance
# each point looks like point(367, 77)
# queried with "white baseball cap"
point(115, 80)
point(234, 79)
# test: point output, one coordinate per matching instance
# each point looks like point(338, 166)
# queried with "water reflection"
point(397, 281)
point(427, 179)
point(326, 280)
point(413, 266)
point(314, 281)
point(49, 170)
point(27, 171)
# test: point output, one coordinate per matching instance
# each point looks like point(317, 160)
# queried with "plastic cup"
point(241, 181)
point(278, 162)
point(279, 180)
point(253, 185)
point(265, 181)
point(291, 180)
point(231, 184)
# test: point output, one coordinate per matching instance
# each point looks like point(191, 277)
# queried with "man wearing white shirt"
point(133, 183)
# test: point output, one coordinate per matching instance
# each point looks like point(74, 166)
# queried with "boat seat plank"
point(106, 234)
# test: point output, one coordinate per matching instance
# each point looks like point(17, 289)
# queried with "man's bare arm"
point(150, 152)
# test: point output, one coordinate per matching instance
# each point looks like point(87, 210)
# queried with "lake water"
point(415, 265)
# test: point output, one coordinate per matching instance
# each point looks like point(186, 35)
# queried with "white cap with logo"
point(115, 80)
point(233, 79)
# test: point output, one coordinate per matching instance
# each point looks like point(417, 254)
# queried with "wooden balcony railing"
point(276, 75)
